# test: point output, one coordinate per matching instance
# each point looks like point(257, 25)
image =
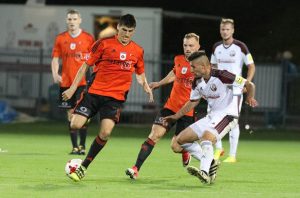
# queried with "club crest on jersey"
point(213, 87)
point(72, 46)
point(122, 55)
point(184, 70)
point(232, 53)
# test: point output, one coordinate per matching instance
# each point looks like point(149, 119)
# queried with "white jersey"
point(231, 58)
point(218, 92)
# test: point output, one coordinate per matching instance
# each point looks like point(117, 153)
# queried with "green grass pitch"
point(33, 156)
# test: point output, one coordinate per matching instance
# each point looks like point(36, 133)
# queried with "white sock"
point(219, 145)
point(194, 149)
point(234, 135)
point(208, 155)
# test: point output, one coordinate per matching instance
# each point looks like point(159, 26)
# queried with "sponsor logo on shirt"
point(226, 61)
point(122, 55)
point(213, 87)
point(232, 53)
point(72, 46)
point(184, 70)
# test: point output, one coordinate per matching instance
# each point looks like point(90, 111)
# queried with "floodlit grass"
point(33, 166)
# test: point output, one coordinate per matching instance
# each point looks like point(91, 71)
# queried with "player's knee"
point(176, 148)
point(104, 134)
point(179, 140)
point(75, 125)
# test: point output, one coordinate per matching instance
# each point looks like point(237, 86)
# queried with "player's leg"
point(68, 105)
point(83, 131)
point(219, 151)
point(157, 131)
point(233, 142)
point(195, 149)
point(234, 134)
point(73, 135)
point(189, 135)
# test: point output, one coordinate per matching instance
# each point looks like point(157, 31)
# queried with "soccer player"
point(182, 79)
point(231, 54)
point(115, 59)
point(216, 87)
point(72, 47)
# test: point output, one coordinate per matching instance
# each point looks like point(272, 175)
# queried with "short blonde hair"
point(227, 20)
point(192, 35)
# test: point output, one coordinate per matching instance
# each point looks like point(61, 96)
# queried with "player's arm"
point(142, 80)
point(251, 71)
point(66, 95)
point(166, 80)
point(250, 100)
point(55, 68)
point(188, 106)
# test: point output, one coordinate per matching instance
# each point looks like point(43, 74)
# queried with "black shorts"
point(107, 107)
point(71, 103)
point(182, 123)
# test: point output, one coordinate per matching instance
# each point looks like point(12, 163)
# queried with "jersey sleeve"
point(195, 94)
point(96, 52)
point(213, 59)
point(140, 65)
point(56, 52)
point(247, 58)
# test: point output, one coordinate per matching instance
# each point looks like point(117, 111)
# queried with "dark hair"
point(127, 20)
point(197, 54)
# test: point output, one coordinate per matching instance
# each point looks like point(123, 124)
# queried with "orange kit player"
point(73, 47)
point(182, 79)
point(115, 59)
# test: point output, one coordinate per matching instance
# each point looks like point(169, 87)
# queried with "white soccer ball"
point(72, 165)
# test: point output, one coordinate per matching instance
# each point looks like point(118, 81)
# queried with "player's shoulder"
point(85, 33)
point(179, 57)
point(62, 34)
point(196, 81)
point(238, 43)
point(216, 44)
point(241, 45)
point(137, 46)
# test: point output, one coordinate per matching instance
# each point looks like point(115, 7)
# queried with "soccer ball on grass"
point(72, 165)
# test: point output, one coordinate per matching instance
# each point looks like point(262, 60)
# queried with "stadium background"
point(268, 28)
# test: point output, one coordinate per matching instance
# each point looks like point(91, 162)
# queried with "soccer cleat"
point(75, 151)
point(215, 164)
point(81, 150)
point(132, 172)
point(200, 174)
point(78, 174)
point(186, 158)
point(218, 153)
point(230, 159)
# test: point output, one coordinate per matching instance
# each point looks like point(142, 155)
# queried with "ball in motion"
point(72, 165)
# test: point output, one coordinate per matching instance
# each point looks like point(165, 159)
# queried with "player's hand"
point(67, 95)
point(57, 78)
point(169, 119)
point(251, 102)
point(244, 90)
point(151, 97)
point(154, 85)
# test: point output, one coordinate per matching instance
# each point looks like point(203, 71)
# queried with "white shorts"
point(218, 124)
